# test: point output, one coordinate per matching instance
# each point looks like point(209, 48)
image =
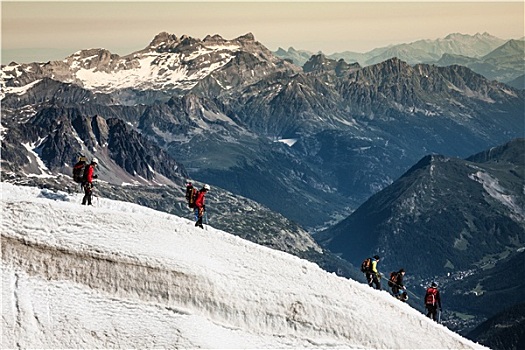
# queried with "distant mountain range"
point(288, 150)
point(217, 105)
point(485, 54)
point(436, 190)
point(505, 63)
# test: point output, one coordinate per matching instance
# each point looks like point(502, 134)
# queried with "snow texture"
point(118, 275)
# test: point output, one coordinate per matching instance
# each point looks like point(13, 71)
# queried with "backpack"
point(78, 171)
point(430, 297)
point(191, 195)
point(85, 175)
point(392, 281)
point(366, 265)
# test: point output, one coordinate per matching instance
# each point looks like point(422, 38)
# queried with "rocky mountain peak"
point(484, 34)
point(320, 63)
point(86, 53)
point(395, 62)
point(100, 59)
point(280, 52)
point(426, 162)
point(248, 37)
point(342, 67)
point(453, 36)
point(512, 50)
point(477, 36)
point(214, 39)
point(185, 45)
point(393, 67)
point(438, 193)
point(163, 40)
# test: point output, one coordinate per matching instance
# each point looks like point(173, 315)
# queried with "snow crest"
point(121, 275)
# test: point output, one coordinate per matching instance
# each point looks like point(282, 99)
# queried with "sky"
point(41, 31)
point(118, 275)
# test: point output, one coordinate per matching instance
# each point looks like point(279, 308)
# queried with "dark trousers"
point(373, 280)
point(432, 311)
point(395, 290)
point(88, 193)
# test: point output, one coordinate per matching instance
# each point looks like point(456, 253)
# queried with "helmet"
point(434, 284)
point(207, 187)
point(376, 257)
point(95, 160)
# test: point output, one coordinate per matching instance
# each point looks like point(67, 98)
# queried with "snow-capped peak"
point(167, 63)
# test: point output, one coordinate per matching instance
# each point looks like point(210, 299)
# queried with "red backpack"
point(430, 297)
point(191, 195)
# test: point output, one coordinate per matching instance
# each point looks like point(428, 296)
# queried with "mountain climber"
point(373, 276)
point(200, 208)
point(396, 283)
point(432, 301)
point(88, 181)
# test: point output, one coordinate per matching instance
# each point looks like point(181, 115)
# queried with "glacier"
point(118, 275)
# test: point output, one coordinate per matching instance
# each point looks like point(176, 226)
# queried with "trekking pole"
point(93, 194)
point(439, 316)
point(206, 219)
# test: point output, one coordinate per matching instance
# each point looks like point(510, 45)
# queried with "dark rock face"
point(214, 93)
point(62, 134)
point(452, 202)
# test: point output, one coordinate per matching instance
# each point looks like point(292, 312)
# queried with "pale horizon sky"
point(42, 31)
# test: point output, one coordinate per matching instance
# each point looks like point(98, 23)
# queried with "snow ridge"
point(160, 267)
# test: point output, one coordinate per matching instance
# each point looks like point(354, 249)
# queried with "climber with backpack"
point(432, 301)
point(88, 181)
point(369, 268)
point(78, 169)
point(395, 282)
point(200, 207)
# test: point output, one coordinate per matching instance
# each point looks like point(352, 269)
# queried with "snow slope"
point(118, 275)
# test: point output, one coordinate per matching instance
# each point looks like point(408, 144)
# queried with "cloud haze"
point(39, 30)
